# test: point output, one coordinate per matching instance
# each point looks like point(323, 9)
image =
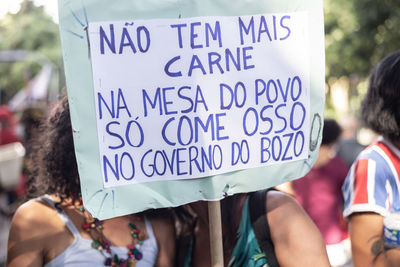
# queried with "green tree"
point(358, 34)
point(30, 29)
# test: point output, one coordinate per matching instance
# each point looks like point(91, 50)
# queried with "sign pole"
point(214, 218)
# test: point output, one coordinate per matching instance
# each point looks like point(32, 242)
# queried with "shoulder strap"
point(258, 211)
point(63, 216)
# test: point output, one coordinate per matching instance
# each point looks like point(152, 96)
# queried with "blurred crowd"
point(16, 132)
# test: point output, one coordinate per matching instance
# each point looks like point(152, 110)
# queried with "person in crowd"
point(264, 228)
point(8, 126)
point(54, 229)
point(8, 193)
point(349, 147)
point(319, 193)
point(372, 185)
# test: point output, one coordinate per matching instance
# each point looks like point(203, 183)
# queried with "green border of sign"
point(103, 203)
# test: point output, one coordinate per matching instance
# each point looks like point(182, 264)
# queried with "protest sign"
point(171, 103)
point(189, 98)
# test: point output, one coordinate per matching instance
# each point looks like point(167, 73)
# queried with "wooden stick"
point(214, 219)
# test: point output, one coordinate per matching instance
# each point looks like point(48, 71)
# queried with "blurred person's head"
point(53, 167)
point(8, 124)
point(330, 136)
point(349, 124)
point(380, 108)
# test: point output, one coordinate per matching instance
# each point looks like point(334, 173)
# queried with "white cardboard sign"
point(195, 97)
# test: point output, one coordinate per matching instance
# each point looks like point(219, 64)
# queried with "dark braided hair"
point(53, 168)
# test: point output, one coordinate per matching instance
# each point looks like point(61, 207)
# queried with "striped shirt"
point(372, 184)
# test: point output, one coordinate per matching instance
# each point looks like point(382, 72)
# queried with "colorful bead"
point(133, 254)
point(138, 256)
point(108, 262)
point(106, 244)
point(90, 220)
point(116, 259)
point(131, 263)
point(123, 263)
point(95, 244)
point(98, 222)
point(141, 236)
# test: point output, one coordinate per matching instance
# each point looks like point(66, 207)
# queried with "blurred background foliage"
point(358, 34)
point(32, 30)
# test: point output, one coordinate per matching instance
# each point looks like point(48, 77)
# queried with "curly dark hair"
point(380, 108)
point(53, 168)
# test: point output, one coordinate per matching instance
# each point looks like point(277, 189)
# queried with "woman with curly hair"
point(372, 186)
point(53, 228)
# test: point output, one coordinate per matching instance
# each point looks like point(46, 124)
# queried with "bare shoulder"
point(31, 226)
point(284, 212)
point(34, 219)
point(32, 214)
point(280, 200)
point(290, 227)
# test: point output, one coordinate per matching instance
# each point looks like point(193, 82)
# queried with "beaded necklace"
point(93, 225)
